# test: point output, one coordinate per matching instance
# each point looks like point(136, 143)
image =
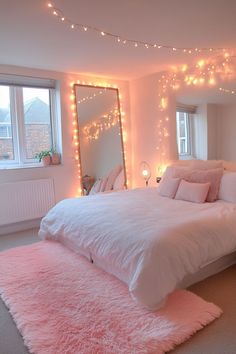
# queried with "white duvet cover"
point(149, 242)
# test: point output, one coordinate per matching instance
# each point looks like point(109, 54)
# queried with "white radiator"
point(26, 200)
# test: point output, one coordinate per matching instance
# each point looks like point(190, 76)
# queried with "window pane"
point(183, 146)
point(37, 119)
point(183, 138)
point(6, 140)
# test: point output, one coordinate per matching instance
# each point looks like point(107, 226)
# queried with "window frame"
point(18, 125)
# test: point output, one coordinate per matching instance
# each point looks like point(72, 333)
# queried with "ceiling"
point(30, 36)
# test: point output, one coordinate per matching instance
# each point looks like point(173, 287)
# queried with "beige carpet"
point(217, 338)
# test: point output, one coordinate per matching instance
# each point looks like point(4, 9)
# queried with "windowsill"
point(186, 157)
point(19, 167)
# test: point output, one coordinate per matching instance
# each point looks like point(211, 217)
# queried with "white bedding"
point(149, 242)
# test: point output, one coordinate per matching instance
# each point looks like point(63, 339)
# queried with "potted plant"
point(44, 157)
point(55, 157)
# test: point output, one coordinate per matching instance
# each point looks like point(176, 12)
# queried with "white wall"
point(145, 116)
point(227, 132)
point(214, 131)
point(212, 128)
point(65, 175)
point(200, 133)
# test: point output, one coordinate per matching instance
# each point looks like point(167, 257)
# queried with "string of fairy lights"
point(205, 73)
point(135, 43)
point(87, 98)
point(93, 130)
point(232, 92)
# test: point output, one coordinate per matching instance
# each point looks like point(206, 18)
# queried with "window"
point(26, 123)
point(5, 131)
point(183, 133)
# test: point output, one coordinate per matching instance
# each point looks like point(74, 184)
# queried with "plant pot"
point(46, 160)
point(55, 159)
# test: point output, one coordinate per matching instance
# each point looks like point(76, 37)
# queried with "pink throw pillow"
point(120, 181)
point(192, 192)
point(230, 166)
point(205, 164)
point(227, 190)
point(199, 176)
point(176, 171)
point(168, 187)
point(112, 177)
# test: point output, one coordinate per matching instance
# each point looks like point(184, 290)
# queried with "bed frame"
point(208, 270)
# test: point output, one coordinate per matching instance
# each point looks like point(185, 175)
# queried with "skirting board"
point(19, 226)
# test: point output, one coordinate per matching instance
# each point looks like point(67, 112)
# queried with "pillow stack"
point(197, 183)
point(114, 181)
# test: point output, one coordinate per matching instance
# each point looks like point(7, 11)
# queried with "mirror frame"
point(116, 90)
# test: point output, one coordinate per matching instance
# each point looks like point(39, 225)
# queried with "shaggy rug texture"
point(62, 304)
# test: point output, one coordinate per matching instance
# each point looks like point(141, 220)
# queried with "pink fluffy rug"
point(62, 304)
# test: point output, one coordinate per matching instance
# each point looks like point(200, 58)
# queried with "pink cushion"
point(192, 192)
point(112, 177)
point(168, 187)
point(212, 176)
point(227, 190)
point(176, 171)
point(120, 181)
point(230, 166)
point(205, 164)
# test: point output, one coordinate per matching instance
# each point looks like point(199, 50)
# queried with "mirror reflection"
point(206, 122)
point(101, 145)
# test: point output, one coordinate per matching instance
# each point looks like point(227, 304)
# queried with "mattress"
point(208, 270)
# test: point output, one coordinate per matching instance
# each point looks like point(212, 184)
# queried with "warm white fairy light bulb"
point(127, 41)
point(145, 173)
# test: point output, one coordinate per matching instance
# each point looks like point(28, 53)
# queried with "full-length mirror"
point(206, 122)
point(101, 144)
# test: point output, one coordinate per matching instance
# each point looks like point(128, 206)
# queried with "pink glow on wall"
point(65, 176)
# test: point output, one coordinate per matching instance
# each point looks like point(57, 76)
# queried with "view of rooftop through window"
point(37, 121)
point(30, 114)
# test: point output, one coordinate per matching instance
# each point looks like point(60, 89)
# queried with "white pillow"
point(168, 187)
point(96, 187)
point(227, 191)
point(120, 181)
point(192, 192)
point(112, 177)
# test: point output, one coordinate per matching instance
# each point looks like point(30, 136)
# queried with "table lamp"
point(145, 171)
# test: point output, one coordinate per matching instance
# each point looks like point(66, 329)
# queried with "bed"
point(152, 243)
